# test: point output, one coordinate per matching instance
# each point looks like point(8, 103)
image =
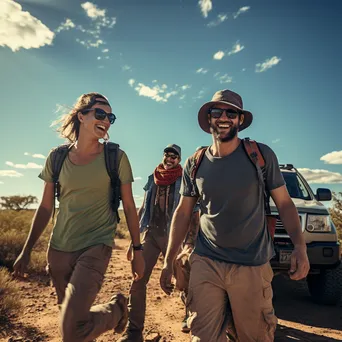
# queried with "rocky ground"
point(299, 318)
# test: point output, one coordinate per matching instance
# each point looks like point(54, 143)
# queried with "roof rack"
point(287, 166)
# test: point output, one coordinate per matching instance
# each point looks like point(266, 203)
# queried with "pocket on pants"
point(268, 326)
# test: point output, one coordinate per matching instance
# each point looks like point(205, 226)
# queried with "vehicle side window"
point(295, 186)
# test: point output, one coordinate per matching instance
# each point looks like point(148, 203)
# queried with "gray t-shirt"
point(233, 226)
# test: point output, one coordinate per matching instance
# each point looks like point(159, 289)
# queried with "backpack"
point(111, 150)
point(252, 150)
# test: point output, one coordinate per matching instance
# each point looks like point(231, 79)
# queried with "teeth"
point(101, 127)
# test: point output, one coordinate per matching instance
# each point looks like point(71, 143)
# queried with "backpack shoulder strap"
point(58, 156)
point(195, 161)
point(253, 151)
point(111, 152)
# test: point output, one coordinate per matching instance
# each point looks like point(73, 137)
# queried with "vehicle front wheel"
point(326, 287)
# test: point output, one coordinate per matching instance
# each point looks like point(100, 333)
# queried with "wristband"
point(138, 248)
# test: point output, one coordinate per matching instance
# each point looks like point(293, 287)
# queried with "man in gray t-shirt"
point(230, 293)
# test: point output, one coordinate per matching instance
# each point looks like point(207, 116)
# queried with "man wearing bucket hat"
point(230, 293)
point(155, 215)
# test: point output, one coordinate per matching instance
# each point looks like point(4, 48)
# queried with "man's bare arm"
point(179, 227)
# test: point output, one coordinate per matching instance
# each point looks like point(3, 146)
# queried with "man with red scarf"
point(160, 201)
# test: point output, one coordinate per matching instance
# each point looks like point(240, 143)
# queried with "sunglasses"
point(100, 114)
point(172, 156)
point(216, 113)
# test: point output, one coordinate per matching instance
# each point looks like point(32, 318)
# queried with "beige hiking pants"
point(77, 278)
point(230, 298)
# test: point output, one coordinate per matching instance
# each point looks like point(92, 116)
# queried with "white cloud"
point(126, 68)
point(206, 6)
point(219, 55)
point(137, 178)
point(10, 173)
point(240, 11)
point(185, 87)
point(182, 97)
point(321, 176)
point(158, 93)
point(219, 20)
point(35, 155)
point(201, 71)
point(66, 26)
point(153, 93)
point(334, 157)
point(275, 141)
point(99, 20)
point(199, 95)
point(92, 10)
point(269, 63)
point(237, 47)
point(225, 78)
point(24, 166)
point(19, 29)
point(98, 58)
point(88, 44)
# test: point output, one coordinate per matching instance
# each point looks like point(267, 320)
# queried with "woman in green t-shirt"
point(83, 235)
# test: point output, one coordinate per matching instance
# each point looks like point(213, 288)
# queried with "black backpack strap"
point(195, 161)
point(111, 152)
point(253, 151)
point(58, 156)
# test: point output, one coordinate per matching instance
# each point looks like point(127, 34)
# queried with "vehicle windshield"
point(295, 186)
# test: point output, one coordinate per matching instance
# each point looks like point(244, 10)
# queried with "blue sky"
point(158, 62)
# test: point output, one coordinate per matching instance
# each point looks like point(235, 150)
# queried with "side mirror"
point(323, 194)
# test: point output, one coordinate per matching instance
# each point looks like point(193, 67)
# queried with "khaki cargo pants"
point(154, 242)
point(77, 278)
point(227, 298)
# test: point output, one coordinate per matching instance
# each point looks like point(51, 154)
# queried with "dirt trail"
point(299, 318)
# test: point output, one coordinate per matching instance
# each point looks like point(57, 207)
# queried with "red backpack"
point(252, 150)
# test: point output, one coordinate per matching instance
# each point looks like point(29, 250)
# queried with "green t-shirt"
point(85, 217)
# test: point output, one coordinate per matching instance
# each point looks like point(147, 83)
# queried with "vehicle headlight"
point(318, 223)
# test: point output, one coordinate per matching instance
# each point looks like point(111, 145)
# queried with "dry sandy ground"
point(299, 318)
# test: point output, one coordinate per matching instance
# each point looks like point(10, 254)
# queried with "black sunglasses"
point(100, 114)
point(172, 156)
point(216, 113)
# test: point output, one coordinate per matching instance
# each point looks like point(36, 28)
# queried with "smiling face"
point(225, 126)
point(170, 160)
point(91, 126)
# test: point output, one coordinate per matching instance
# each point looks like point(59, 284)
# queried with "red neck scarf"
point(166, 177)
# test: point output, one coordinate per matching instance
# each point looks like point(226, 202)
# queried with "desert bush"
point(9, 295)
point(121, 229)
point(14, 227)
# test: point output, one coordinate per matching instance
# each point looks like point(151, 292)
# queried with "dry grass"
point(9, 295)
point(14, 227)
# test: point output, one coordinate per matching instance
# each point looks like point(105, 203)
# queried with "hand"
point(299, 263)
point(20, 265)
point(184, 255)
point(129, 252)
point(165, 279)
point(138, 265)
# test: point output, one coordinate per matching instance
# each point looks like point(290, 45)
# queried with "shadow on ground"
point(292, 302)
point(21, 333)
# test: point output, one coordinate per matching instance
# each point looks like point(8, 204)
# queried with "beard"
point(228, 137)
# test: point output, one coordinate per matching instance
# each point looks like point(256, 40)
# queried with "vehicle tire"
point(326, 287)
